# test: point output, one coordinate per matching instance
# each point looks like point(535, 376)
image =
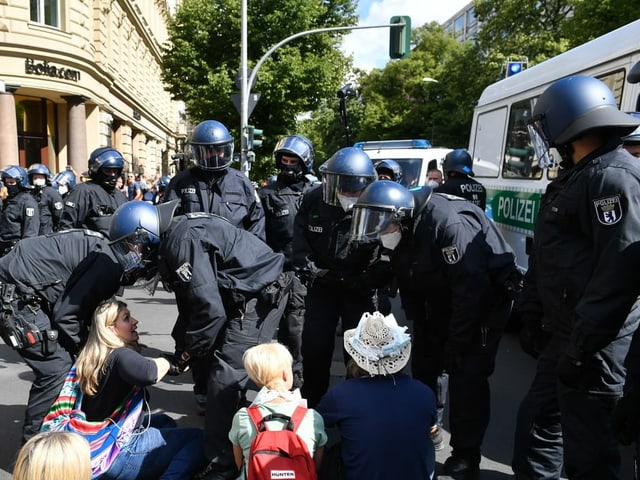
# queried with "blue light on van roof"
point(389, 144)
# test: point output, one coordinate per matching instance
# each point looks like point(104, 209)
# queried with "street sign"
point(253, 100)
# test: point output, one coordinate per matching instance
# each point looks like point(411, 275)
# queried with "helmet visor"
point(351, 185)
point(541, 143)
point(369, 223)
point(134, 250)
point(213, 157)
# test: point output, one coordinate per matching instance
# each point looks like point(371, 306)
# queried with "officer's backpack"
point(279, 454)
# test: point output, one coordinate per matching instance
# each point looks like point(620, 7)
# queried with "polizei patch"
point(608, 210)
point(185, 272)
point(451, 254)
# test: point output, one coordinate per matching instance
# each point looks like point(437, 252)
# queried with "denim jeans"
point(159, 450)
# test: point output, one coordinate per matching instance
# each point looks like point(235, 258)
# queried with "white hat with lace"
point(378, 345)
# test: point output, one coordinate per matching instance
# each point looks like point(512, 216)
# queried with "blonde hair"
point(100, 343)
point(265, 363)
point(54, 456)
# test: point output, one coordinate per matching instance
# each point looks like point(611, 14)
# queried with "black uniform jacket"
point(212, 265)
point(229, 194)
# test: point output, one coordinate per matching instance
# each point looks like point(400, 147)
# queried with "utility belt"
point(272, 295)
point(16, 330)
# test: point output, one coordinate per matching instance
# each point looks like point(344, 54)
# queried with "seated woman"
point(107, 384)
point(269, 366)
point(53, 456)
point(384, 417)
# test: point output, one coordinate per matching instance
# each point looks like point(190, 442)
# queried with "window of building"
point(46, 12)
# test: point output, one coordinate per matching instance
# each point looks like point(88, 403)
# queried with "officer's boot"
point(462, 465)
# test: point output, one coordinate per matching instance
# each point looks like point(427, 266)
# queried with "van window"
point(615, 82)
point(519, 154)
point(489, 135)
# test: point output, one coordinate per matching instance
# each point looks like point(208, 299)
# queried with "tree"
point(202, 57)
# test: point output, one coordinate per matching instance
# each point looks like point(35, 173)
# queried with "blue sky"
point(370, 47)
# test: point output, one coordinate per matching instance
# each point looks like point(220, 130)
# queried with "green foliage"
point(202, 57)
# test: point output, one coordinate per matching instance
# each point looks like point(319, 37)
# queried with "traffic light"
point(400, 37)
point(254, 137)
point(514, 68)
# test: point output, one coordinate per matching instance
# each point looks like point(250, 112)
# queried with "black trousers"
point(227, 377)
point(560, 425)
point(50, 370)
point(292, 323)
point(326, 305)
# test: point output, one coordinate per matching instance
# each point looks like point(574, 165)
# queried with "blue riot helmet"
point(459, 161)
point(569, 108)
point(19, 174)
point(64, 181)
point(211, 146)
point(135, 230)
point(297, 146)
point(39, 169)
point(345, 175)
point(382, 212)
point(163, 183)
point(389, 170)
point(102, 158)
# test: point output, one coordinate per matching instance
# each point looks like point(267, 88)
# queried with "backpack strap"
point(298, 416)
point(256, 417)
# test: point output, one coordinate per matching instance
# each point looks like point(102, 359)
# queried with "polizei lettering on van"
point(514, 209)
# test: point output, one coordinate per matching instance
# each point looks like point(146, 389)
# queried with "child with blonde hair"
point(269, 366)
point(54, 456)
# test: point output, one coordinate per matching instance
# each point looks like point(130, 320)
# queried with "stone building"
point(80, 74)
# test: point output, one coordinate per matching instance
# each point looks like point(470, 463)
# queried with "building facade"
point(77, 75)
point(463, 26)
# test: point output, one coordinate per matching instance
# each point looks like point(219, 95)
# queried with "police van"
point(415, 157)
point(504, 158)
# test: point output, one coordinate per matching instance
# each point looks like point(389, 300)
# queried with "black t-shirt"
point(125, 368)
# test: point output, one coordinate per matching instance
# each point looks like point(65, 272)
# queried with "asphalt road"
point(173, 395)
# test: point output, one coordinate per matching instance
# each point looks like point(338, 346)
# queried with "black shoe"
point(201, 403)
point(461, 468)
point(215, 471)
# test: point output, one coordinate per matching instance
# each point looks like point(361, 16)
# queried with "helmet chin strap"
point(566, 153)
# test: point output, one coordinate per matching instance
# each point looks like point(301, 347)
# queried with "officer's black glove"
point(533, 339)
point(626, 420)
point(178, 363)
point(452, 359)
point(575, 373)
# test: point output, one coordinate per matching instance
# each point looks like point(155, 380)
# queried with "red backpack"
point(279, 454)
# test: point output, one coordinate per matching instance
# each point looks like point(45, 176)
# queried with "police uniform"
point(582, 279)
point(338, 286)
point(224, 282)
point(57, 282)
point(50, 207)
point(465, 187)
point(452, 275)
point(227, 193)
point(19, 219)
point(281, 202)
point(90, 205)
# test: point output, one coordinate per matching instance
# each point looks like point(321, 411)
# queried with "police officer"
point(20, 217)
point(454, 270)
point(212, 186)
point(63, 182)
point(582, 280)
point(281, 200)
point(48, 198)
point(161, 189)
point(389, 170)
point(338, 284)
point(49, 287)
point(228, 285)
point(91, 204)
point(458, 168)
point(631, 142)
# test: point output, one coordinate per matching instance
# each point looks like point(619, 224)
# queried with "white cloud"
point(370, 47)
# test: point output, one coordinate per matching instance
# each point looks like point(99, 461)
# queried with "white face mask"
point(347, 202)
point(39, 182)
point(62, 189)
point(433, 184)
point(390, 240)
